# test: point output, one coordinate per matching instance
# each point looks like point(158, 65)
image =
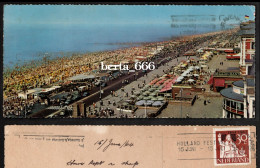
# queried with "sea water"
point(23, 44)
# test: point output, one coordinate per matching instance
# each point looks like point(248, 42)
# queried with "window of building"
point(253, 45)
point(227, 102)
point(240, 106)
point(233, 104)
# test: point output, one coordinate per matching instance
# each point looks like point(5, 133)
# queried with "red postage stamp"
point(232, 146)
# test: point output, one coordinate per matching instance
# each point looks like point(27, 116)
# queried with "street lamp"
point(24, 90)
point(181, 102)
point(145, 111)
point(100, 93)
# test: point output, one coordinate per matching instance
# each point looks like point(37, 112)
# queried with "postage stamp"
point(232, 146)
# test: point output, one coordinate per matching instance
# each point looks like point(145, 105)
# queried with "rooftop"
point(81, 77)
point(240, 83)
point(229, 93)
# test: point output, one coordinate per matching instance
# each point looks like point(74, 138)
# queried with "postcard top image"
point(129, 61)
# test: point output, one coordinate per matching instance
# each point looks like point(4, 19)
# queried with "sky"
point(33, 15)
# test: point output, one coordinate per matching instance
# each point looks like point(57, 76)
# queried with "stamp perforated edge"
point(215, 148)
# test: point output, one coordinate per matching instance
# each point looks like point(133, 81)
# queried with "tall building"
point(239, 100)
point(247, 46)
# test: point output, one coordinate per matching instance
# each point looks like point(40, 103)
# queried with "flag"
point(246, 17)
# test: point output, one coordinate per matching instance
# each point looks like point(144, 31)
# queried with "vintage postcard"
point(130, 146)
point(129, 61)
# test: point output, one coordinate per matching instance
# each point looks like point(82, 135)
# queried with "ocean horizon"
point(23, 44)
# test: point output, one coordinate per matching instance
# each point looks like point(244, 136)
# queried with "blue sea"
point(23, 44)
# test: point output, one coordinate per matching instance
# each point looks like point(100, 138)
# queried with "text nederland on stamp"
point(232, 146)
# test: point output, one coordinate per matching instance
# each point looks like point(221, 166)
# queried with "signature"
point(74, 163)
point(102, 162)
point(104, 144)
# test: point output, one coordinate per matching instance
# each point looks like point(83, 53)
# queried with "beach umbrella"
point(157, 103)
point(160, 98)
point(197, 67)
point(141, 96)
point(155, 86)
point(146, 98)
point(160, 87)
point(146, 86)
point(150, 97)
point(133, 96)
point(153, 94)
point(140, 103)
point(136, 92)
point(154, 99)
point(157, 91)
point(146, 93)
point(179, 79)
point(142, 89)
point(148, 103)
point(138, 98)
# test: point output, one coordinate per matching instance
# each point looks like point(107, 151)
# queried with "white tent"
point(191, 80)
